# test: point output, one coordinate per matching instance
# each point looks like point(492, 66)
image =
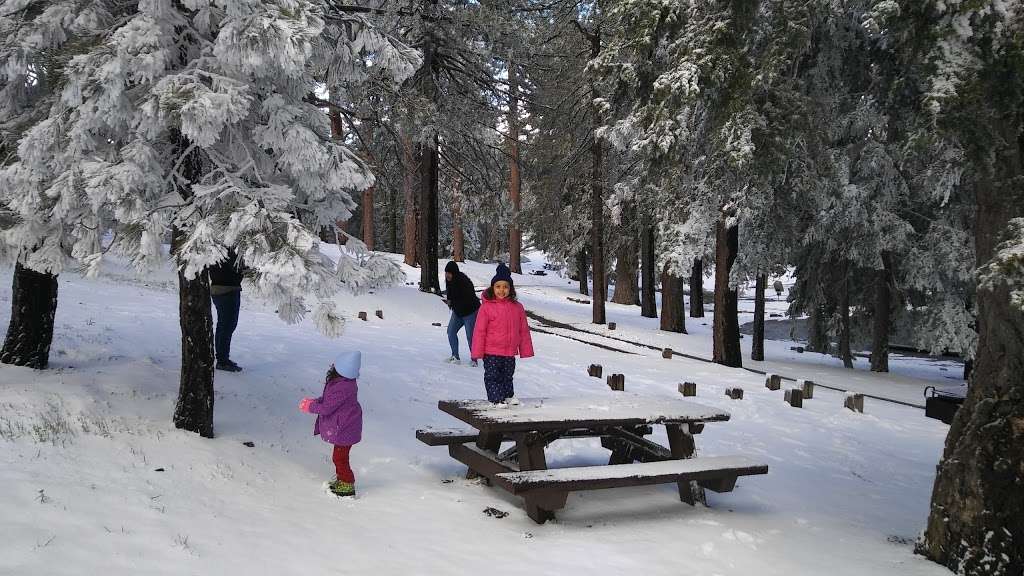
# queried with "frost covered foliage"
point(193, 116)
point(1008, 264)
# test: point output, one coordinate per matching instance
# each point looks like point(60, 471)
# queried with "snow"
point(97, 480)
point(652, 409)
point(646, 469)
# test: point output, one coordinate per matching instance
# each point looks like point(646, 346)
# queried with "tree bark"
point(648, 299)
point(33, 308)
point(411, 218)
point(627, 291)
point(583, 271)
point(726, 336)
point(673, 308)
point(194, 409)
point(697, 289)
point(597, 200)
point(458, 237)
point(515, 235)
point(844, 322)
point(428, 217)
point(883, 303)
point(817, 334)
point(393, 219)
point(976, 525)
point(757, 347)
point(368, 200)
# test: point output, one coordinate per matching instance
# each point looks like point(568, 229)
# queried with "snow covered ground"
point(97, 480)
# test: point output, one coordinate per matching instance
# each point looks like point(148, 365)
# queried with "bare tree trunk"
point(583, 272)
point(976, 525)
point(393, 219)
point(412, 217)
point(458, 238)
point(697, 289)
point(883, 303)
point(597, 201)
point(428, 217)
point(673, 308)
point(515, 235)
point(627, 291)
point(844, 321)
point(757, 347)
point(368, 200)
point(726, 337)
point(648, 299)
point(194, 409)
point(33, 308)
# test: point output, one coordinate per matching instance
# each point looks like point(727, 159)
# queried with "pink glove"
point(304, 404)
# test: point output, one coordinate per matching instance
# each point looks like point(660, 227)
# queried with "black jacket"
point(461, 295)
point(227, 272)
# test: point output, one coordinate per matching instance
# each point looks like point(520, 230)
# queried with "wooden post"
point(362, 315)
point(611, 325)
point(808, 388)
point(617, 382)
point(772, 381)
point(688, 388)
point(595, 370)
point(380, 314)
point(854, 402)
point(666, 353)
point(734, 393)
point(795, 397)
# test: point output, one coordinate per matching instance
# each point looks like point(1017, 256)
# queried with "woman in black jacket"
point(461, 298)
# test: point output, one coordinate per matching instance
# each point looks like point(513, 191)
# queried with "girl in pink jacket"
point(501, 332)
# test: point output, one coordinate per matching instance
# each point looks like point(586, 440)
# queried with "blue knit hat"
point(347, 364)
point(502, 273)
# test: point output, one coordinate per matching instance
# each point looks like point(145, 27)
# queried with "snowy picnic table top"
point(620, 409)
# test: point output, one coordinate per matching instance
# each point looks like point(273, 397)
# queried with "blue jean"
point(454, 324)
point(227, 319)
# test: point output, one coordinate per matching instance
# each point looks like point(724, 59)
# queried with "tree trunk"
point(368, 218)
point(515, 235)
point(597, 201)
point(844, 322)
point(428, 217)
point(458, 237)
point(726, 349)
point(976, 525)
point(673, 308)
point(817, 333)
point(757, 347)
point(583, 271)
point(697, 289)
point(883, 302)
point(393, 219)
point(648, 299)
point(33, 307)
point(627, 291)
point(194, 409)
point(412, 216)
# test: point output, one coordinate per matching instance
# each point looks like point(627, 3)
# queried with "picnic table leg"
point(681, 444)
point(485, 441)
point(539, 507)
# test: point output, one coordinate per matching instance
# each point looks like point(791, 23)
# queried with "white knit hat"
point(347, 364)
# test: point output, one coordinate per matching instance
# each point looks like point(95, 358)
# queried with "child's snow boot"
point(342, 489)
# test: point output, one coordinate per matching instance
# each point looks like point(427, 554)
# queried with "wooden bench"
point(446, 436)
point(549, 488)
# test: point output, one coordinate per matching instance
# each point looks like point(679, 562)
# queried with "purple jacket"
point(339, 416)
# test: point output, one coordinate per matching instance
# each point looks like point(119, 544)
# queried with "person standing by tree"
point(226, 291)
point(461, 298)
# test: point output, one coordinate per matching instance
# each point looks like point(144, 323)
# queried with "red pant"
point(341, 466)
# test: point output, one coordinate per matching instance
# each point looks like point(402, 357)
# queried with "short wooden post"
point(435, 323)
point(362, 315)
point(854, 402)
point(595, 370)
point(734, 393)
point(795, 397)
point(772, 381)
point(688, 388)
point(611, 325)
point(666, 353)
point(808, 388)
point(617, 382)
point(380, 314)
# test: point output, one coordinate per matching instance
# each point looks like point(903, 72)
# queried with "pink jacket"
point(501, 330)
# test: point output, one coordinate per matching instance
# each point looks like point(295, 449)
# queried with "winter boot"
point(342, 489)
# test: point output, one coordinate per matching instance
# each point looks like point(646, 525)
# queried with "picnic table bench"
point(620, 421)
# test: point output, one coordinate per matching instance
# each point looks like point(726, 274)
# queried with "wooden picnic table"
point(621, 421)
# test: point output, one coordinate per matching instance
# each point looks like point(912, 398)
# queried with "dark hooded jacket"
point(462, 298)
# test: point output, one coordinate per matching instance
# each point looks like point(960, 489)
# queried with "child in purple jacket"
point(339, 419)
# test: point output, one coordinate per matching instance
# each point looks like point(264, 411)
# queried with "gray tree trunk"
point(673, 308)
point(757, 347)
point(33, 308)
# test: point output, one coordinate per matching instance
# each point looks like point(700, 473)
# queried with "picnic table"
point(621, 422)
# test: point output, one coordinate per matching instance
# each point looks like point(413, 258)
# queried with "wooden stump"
point(772, 381)
point(734, 393)
point(611, 325)
point(362, 316)
point(795, 397)
point(380, 314)
point(617, 382)
point(808, 388)
point(595, 370)
point(688, 388)
point(666, 353)
point(435, 323)
point(854, 402)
